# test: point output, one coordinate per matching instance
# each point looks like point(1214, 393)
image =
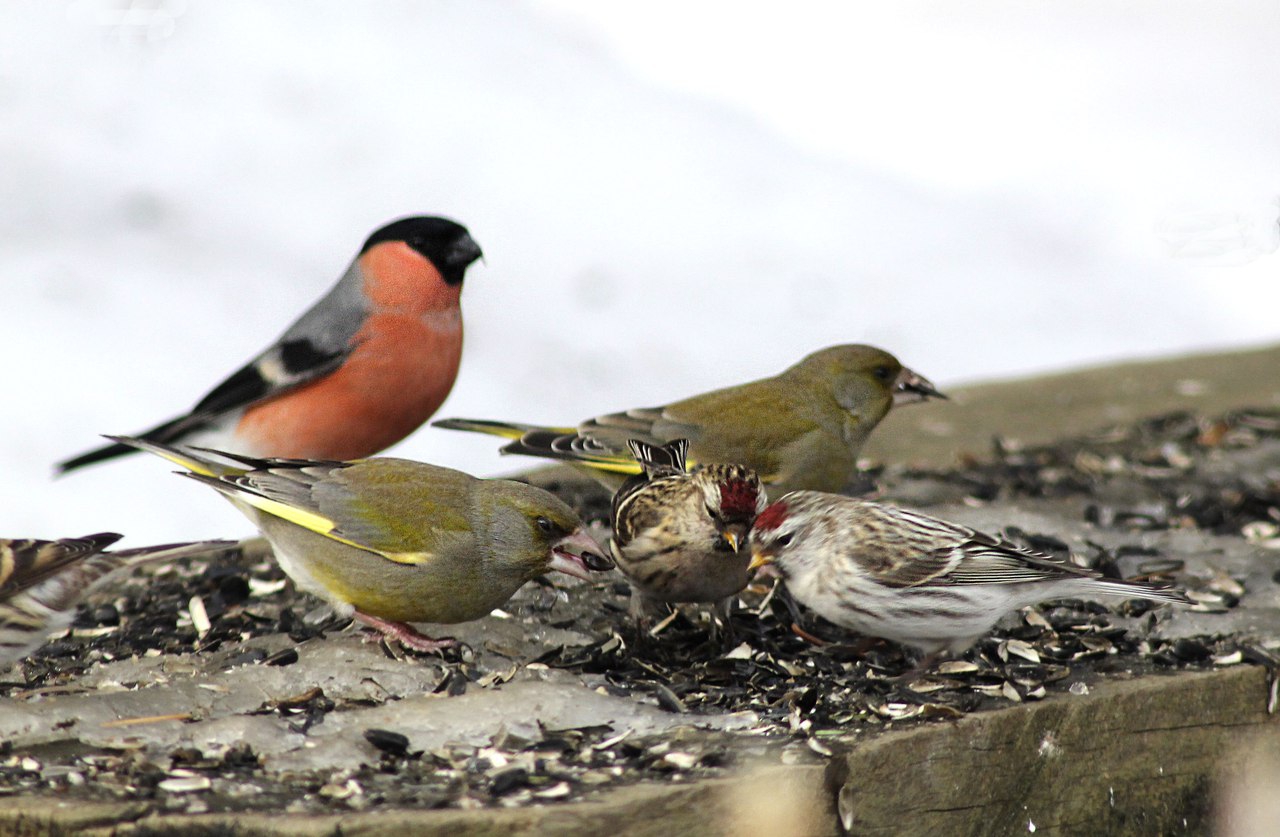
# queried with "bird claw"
point(405, 634)
point(808, 637)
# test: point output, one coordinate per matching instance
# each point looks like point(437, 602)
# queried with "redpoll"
point(678, 534)
point(41, 582)
point(905, 576)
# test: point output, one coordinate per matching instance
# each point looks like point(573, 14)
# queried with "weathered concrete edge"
point(1134, 752)
point(648, 810)
point(1137, 755)
point(1046, 408)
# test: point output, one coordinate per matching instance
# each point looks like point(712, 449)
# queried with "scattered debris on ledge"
point(202, 687)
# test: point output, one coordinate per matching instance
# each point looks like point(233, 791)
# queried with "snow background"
point(671, 197)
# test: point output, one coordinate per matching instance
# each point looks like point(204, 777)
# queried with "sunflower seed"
point(185, 784)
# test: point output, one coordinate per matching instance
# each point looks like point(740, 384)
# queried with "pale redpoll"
point(901, 575)
point(802, 428)
point(42, 581)
point(678, 535)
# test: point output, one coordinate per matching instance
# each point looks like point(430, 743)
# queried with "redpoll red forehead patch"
point(772, 517)
point(738, 497)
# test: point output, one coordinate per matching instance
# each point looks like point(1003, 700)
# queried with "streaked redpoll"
point(678, 535)
point(42, 581)
point(902, 575)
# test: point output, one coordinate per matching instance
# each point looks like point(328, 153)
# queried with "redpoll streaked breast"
point(42, 581)
point(679, 535)
point(889, 572)
point(801, 428)
point(391, 541)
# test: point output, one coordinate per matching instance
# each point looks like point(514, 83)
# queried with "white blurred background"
point(671, 196)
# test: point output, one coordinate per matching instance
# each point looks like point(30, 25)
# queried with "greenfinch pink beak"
point(912, 386)
point(579, 555)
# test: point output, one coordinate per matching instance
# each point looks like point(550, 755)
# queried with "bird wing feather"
point(501, 429)
point(26, 563)
point(944, 553)
point(757, 417)
point(317, 344)
point(314, 346)
point(369, 505)
point(661, 460)
point(573, 446)
point(987, 559)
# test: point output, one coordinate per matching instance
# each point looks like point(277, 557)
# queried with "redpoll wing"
point(901, 575)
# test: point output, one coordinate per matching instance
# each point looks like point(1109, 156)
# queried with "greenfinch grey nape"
point(42, 581)
point(800, 429)
point(391, 541)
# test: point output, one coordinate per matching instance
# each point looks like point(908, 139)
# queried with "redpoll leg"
point(922, 667)
point(721, 627)
point(644, 611)
point(812, 639)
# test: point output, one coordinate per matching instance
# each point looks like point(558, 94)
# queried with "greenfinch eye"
point(545, 526)
point(884, 373)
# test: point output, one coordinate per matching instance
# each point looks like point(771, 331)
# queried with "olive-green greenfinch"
point(802, 428)
point(390, 541)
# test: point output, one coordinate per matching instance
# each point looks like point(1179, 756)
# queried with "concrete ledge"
point(1137, 755)
point(1049, 407)
point(1133, 757)
point(773, 801)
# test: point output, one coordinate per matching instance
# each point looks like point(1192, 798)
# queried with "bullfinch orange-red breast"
point(364, 367)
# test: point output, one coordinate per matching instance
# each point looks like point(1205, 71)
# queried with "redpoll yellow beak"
point(762, 564)
point(911, 387)
point(579, 555)
point(759, 559)
point(732, 539)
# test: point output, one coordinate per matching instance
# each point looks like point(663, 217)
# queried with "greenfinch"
point(389, 541)
point(800, 429)
point(41, 582)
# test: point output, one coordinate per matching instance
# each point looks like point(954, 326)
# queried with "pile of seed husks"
point(807, 681)
point(1168, 460)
